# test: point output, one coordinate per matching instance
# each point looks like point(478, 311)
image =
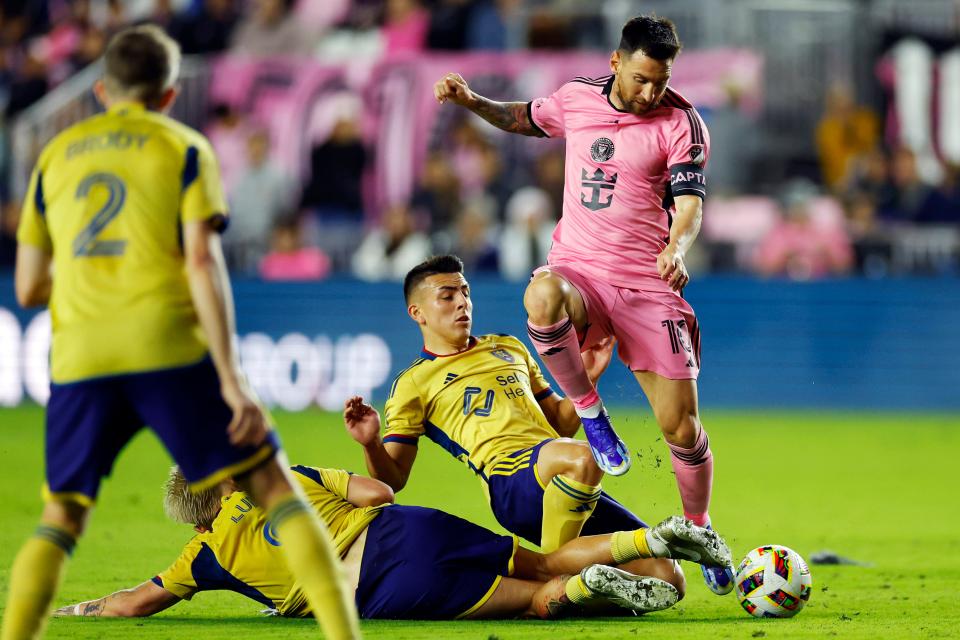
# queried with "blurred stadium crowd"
point(877, 192)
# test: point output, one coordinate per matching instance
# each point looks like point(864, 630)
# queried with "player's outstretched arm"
point(144, 600)
point(390, 463)
point(509, 116)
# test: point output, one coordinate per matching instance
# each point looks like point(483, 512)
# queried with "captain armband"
point(688, 180)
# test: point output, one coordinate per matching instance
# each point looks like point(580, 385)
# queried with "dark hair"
point(430, 267)
point(656, 37)
point(141, 62)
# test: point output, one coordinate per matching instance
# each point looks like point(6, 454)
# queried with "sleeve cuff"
point(410, 440)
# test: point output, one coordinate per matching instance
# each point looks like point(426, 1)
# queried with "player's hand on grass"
point(672, 269)
point(597, 358)
point(454, 88)
point(362, 421)
point(249, 425)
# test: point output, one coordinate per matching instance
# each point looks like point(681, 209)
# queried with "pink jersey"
point(622, 172)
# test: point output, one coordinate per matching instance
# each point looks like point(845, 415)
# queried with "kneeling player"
point(404, 562)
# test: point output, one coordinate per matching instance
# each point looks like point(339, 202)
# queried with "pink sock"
point(559, 349)
point(694, 469)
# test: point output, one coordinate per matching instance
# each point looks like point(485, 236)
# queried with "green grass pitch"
point(873, 487)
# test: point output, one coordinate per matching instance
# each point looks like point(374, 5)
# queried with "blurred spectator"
point(474, 238)
point(289, 259)
point(228, 134)
point(488, 28)
point(528, 233)
point(333, 195)
point(845, 131)
point(438, 192)
point(9, 219)
point(801, 247)
point(870, 175)
point(26, 86)
point(262, 195)
point(336, 173)
point(206, 31)
point(390, 251)
point(913, 200)
point(405, 26)
point(448, 25)
point(732, 146)
point(871, 242)
point(272, 30)
point(549, 170)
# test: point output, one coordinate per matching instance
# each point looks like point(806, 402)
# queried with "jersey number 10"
point(86, 243)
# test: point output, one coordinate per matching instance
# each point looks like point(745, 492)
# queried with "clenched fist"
point(454, 88)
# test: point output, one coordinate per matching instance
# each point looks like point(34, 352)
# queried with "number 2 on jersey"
point(86, 243)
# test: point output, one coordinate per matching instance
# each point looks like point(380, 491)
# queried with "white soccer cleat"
point(637, 593)
point(680, 539)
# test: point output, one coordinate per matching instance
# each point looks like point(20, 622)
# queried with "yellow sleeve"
point(178, 578)
point(33, 222)
point(538, 383)
point(336, 480)
point(404, 412)
point(202, 197)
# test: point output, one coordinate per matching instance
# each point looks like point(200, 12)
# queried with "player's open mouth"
point(463, 319)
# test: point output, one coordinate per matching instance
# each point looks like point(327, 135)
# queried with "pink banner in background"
point(299, 100)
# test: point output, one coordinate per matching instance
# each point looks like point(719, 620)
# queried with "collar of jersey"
point(127, 105)
point(428, 355)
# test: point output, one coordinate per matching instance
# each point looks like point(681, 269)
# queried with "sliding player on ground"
point(120, 236)
point(403, 561)
point(636, 151)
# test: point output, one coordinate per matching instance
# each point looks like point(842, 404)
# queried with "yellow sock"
point(629, 545)
point(313, 562)
point(34, 580)
point(577, 592)
point(566, 506)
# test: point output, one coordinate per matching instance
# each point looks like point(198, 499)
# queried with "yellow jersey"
point(480, 404)
point(107, 199)
point(242, 553)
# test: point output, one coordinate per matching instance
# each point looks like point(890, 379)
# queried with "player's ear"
point(100, 91)
point(167, 99)
point(615, 61)
point(416, 314)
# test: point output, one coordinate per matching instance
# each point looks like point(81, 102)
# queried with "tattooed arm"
point(144, 600)
point(509, 116)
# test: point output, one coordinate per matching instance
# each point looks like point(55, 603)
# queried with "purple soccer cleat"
point(608, 449)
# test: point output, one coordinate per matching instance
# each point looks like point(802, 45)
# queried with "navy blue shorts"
point(517, 503)
point(90, 421)
point(421, 563)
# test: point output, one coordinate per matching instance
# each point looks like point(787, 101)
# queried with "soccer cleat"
point(680, 539)
point(637, 593)
point(718, 579)
point(608, 449)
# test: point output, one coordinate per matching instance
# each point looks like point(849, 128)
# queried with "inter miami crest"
point(503, 354)
point(601, 150)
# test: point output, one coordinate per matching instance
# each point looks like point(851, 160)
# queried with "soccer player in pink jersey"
point(635, 157)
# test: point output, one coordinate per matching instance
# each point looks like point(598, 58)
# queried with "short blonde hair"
point(183, 505)
point(141, 63)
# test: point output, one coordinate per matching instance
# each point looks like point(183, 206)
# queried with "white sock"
point(593, 411)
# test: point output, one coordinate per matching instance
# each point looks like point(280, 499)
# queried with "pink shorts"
point(655, 331)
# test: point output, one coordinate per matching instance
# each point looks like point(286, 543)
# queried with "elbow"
point(383, 495)
point(29, 295)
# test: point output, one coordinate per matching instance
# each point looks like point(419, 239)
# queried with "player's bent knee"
point(583, 468)
point(67, 515)
point(681, 429)
point(544, 298)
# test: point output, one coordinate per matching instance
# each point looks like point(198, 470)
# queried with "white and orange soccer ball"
point(773, 582)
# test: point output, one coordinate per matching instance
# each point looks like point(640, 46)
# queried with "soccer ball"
point(773, 582)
